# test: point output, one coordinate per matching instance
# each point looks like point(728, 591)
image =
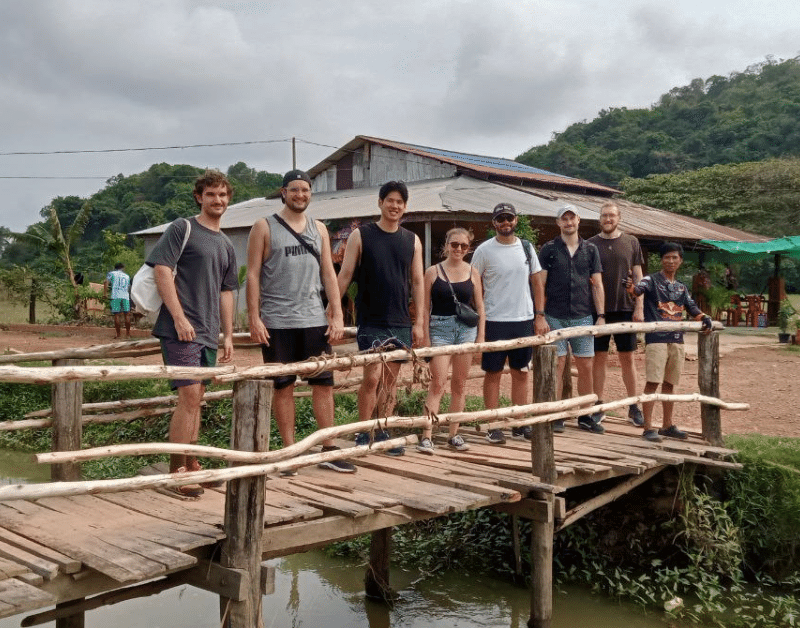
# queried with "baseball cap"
point(503, 208)
point(294, 175)
point(566, 208)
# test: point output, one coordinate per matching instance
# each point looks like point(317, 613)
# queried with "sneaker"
point(586, 422)
point(558, 426)
point(342, 466)
point(652, 436)
point(457, 443)
point(288, 473)
point(362, 438)
point(382, 435)
point(425, 446)
point(635, 415)
point(495, 437)
point(598, 417)
point(673, 432)
point(521, 433)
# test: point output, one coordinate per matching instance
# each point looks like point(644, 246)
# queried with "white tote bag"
point(144, 292)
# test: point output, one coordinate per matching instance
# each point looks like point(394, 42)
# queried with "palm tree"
point(51, 236)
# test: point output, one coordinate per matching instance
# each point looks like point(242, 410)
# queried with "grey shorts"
point(177, 353)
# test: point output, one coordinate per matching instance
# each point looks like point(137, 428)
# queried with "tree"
point(52, 237)
point(748, 116)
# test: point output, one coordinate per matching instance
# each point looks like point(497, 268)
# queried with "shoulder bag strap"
point(453, 292)
point(310, 248)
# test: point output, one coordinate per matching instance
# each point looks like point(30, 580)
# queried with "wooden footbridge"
point(75, 545)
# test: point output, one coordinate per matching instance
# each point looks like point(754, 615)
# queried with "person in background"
point(118, 284)
point(442, 327)
point(665, 299)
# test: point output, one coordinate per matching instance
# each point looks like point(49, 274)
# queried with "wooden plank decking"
point(56, 549)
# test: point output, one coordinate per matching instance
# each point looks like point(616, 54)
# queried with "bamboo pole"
point(24, 424)
point(47, 375)
point(128, 403)
point(127, 348)
point(66, 489)
point(502, 418)
point(337, 431)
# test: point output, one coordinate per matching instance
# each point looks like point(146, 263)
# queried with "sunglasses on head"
point(504, 218)
point(460, 245)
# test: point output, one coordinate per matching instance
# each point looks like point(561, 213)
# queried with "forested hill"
point(127, 203)
point(748, 116)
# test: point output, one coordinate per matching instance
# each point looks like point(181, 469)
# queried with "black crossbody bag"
point(464, 312)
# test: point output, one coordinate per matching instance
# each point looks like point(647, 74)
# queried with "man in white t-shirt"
point(507, 266)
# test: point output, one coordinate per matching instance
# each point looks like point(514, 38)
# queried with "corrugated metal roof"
point(480, 165)
point(467, 195)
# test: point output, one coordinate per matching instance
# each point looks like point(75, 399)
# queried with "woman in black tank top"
point(443, 328)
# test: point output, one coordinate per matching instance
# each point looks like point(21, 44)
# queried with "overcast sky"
point(485, 76)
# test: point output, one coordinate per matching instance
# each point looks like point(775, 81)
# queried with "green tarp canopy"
point(788, 245)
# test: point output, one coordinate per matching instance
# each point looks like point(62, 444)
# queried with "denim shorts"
point(386, 338)
point(582, 346)
point(448, 330)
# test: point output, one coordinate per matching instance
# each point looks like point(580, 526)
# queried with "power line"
point(58, 178)
point(142, 149)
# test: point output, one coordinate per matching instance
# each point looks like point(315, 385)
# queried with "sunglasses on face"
point(460, 245)
point(504, 218)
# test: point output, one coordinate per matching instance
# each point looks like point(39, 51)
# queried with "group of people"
point(514, 293)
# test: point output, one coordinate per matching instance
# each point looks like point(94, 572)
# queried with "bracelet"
point(539, 313)
point(601, 316)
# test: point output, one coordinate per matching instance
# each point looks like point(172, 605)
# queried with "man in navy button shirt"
point(573, 280)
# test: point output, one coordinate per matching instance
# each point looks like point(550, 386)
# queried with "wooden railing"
point(250, 460)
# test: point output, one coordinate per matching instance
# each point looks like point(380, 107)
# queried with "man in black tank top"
point(385, 260)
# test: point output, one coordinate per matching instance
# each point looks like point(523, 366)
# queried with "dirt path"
point(754, 369)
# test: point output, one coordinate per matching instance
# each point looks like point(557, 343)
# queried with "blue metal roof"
point(481, 160)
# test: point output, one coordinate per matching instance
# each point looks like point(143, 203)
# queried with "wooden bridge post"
point(545, 382)
point(244, 503)
point(708, 384)
point(376, 580)
point(66, 401)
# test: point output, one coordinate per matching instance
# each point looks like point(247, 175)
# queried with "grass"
point(16, 313)
point(782, 451)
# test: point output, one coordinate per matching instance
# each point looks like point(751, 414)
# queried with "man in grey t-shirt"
point(198, 300)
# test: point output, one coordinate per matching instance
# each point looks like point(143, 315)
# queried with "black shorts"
point(296, 345)
point(625, 342)
point(519, 359)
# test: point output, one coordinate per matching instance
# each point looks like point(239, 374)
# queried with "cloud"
point(482, 76)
